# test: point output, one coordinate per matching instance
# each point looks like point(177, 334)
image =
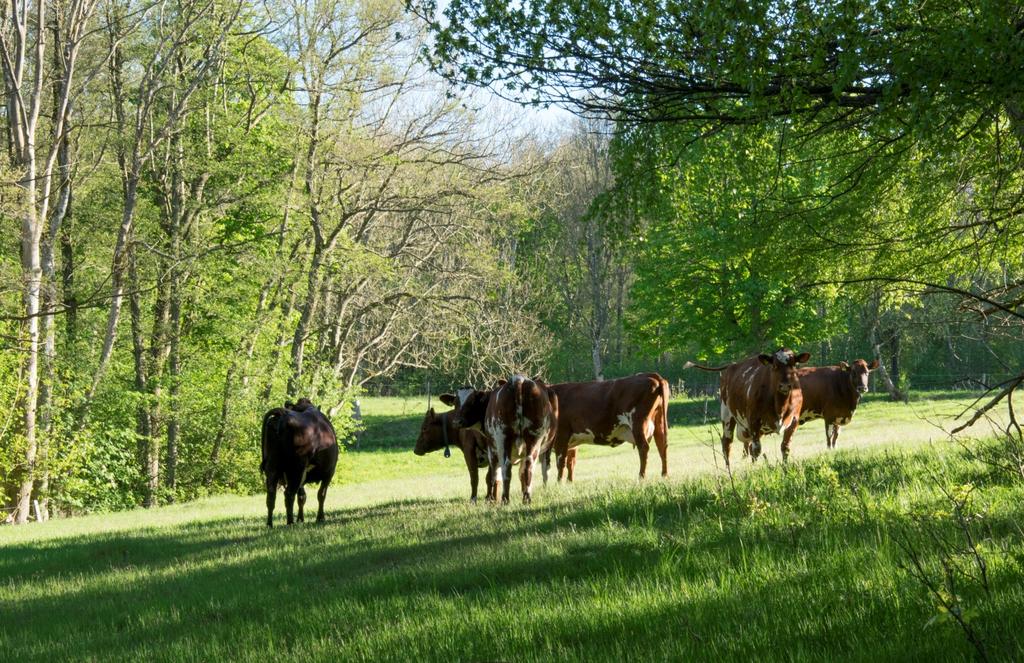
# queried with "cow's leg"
point(302, 504)
point(728, 429)
point(526, 474)
point(560, 464)
point(787, 437)
point(271, 498)
point(835, 434)
point(490, 483)
point(321, 496)
point(642, 448)
point(640, 438)
point(570, 463)
point(828, 433)
point(494, 473)
point(469, 453)
point(545, 464)
point(755, 443)
point(661, 439)
point(290, 489)
point(506, 472)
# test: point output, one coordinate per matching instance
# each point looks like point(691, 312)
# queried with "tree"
point(35, 150)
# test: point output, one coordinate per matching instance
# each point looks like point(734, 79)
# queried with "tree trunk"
point(31, 269)
point(309, 309)
point(117, 270)
point(876, 345)
point(148, 461)
point(174, 367)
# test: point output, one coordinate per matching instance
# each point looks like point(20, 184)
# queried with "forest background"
point(215, 205)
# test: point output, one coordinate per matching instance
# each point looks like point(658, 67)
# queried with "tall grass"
point(800, 562)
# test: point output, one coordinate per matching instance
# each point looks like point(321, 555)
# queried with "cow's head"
point(300, 405)
point(432, 433)
point(783, 363)
point(858, 373)
point(470, 406)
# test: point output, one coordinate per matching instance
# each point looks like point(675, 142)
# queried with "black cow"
point(299, 447)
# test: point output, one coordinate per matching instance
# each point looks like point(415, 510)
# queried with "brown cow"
point(832, 393)
point(761, 395)
point(438, 431)
point(632, 409)
point(520, 422)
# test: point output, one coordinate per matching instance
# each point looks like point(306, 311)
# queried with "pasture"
point(814, 560)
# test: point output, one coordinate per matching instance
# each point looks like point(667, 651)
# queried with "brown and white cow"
point(520, 423)
point(760, 395)
point(469, 414)
point(632, 409)
point(832, 393)
point(438, 431)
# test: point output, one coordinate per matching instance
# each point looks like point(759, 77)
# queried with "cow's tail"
point(269, 421)
point(518, 383)
point(710, 369)
point(666, 394)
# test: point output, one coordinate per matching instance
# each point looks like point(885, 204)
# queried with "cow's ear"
point(873, 365)
point(448, 399)
point(843, 365)
point(802, 358)
point(764, 359)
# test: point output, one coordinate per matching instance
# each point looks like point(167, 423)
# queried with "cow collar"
point(444, 432)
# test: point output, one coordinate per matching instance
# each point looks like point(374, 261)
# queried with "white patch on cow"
point(497, 432)
point(581, 438)
point(779, 425)
point(648, 429)
point(542, 432)
point(783, 356)
point(842, 421)
point(624, 428)
point(750, 385)
point(463, 394)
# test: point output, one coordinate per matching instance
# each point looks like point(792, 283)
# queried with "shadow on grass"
point(567, 572)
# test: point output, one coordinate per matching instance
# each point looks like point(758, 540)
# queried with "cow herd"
point(522, 421)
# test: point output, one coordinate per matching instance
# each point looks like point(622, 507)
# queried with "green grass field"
point(807, 561)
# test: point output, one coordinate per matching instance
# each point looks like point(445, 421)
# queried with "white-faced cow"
point(632, 409)
point(760, 395)
point(439, 431)
point(832, 393)
point(299, 447)
point(520, 424)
